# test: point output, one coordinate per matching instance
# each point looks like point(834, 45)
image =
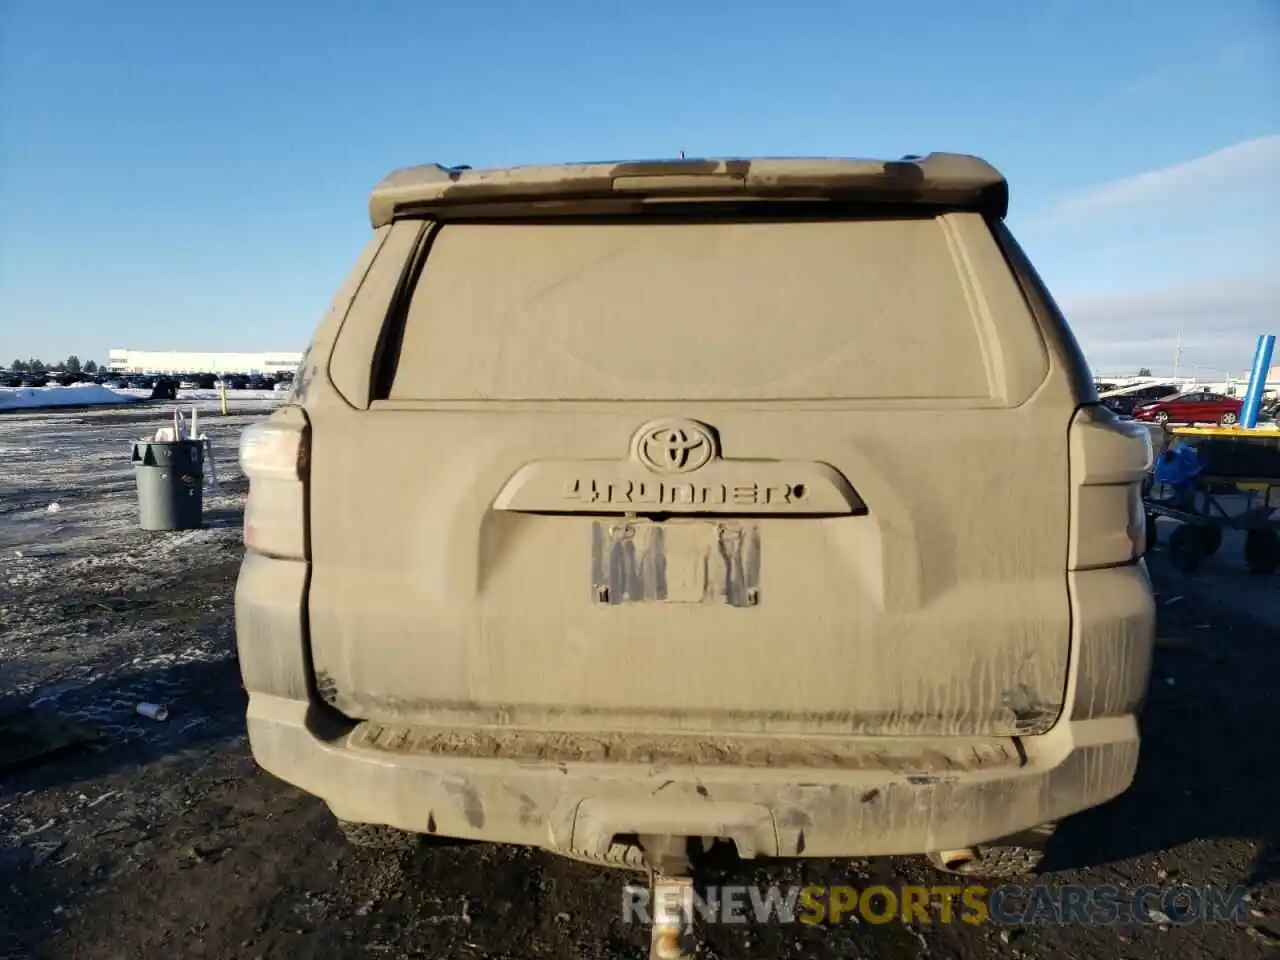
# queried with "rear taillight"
point(1109, 460)
point(275, 449)
point(275, 455)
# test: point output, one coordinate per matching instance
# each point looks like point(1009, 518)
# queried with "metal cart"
point(1237, 488)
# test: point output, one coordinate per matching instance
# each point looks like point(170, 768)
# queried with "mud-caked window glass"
point(695, 311)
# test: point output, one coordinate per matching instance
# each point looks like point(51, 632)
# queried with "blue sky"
point(195, 176)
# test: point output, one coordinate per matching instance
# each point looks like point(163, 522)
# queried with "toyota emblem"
point(675, 446)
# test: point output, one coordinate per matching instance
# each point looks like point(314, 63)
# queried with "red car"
point(1199, 407)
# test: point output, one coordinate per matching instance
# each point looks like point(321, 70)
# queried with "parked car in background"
point(34, 380)
point(235, 381)
point(1125, 403)
point(1195, 407)
point(10, 379)
point(259, 382)
point(164, 388)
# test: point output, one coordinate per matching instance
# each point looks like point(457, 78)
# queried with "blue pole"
point(1257, 381)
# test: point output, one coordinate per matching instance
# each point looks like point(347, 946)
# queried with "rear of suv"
point(630, 507)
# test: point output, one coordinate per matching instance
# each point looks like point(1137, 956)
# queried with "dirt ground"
point(164, 840)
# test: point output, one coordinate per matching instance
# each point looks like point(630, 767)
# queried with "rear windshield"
point(692, 311)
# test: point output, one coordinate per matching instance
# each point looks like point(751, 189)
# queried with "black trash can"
point(170, 479)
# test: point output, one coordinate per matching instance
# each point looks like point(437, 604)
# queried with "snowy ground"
point(84, 394)
point(93, 395)
point(233, 396)
point(168, 841)
point(68, 520)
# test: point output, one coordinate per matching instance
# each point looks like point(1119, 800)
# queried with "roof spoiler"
point(943, 180)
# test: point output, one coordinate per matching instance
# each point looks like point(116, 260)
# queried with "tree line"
point(70, 365)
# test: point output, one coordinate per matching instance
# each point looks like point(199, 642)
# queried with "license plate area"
point(675, 561)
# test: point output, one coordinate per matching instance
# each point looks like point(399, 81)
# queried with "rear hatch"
point(763, 472)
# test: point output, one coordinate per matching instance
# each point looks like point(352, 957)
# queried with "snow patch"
point(232, 395)
point(80, 394)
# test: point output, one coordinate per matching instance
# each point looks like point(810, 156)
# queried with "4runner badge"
point(675, 446)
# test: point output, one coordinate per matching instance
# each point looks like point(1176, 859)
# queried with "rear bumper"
point(578, 808)
point(816, 808)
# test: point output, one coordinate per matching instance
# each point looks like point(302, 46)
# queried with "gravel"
point(166, 839)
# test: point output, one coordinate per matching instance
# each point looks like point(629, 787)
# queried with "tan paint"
point(927, 626)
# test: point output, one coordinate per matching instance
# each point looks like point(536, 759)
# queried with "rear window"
point(692, 311)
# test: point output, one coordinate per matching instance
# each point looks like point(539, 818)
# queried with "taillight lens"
point(274, 455)
point(1110, 458)
point(274, 451)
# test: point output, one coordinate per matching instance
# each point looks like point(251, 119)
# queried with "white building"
point(1236, 386)
point(1231, 387)
point(178, 361)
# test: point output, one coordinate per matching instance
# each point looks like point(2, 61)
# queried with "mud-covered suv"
point(620, 509)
